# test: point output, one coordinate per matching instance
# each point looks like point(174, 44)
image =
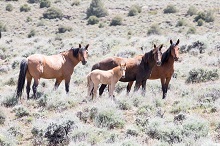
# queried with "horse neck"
point(117, 72)
point(167, 57)
point(69, 56)
point(149, 59)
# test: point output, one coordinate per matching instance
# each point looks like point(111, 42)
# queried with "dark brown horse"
point(165, 71)
point(58, 66)
point(137, 69)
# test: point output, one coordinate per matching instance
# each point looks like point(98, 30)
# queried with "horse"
point(109, 77)
point(59, 66)
point(165, 71)
point(137, 69)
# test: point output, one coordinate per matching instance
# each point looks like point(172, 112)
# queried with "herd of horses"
point(151, 65)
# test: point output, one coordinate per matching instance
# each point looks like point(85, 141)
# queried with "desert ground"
point(189, 115)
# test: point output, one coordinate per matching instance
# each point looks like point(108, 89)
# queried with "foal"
point(109, 77)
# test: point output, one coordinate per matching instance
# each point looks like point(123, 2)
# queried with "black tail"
point(21, 78)
point(95, 66)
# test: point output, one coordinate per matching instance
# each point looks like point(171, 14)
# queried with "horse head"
point(175, 49)
point(157, 54)
point(123, 69)
point(83, 54)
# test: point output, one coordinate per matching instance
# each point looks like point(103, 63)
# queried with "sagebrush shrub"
point(206, 16)
point(191, 30)
point(154, 29)
point(170, 9)
point(9, 101)
point(21, 111)
point(53, 13)
point(45, 3)
point(2, 117)
point(181, 22)
point(2, 27)
point(202, 75)
point(32, 33)
point(191, 11)
point(93, 20)
point(117, 20)
point(33, 1)
point(9, 7)
point(134, 10)
point(76, 3)
point(96, 9)
point(63, 29)
point(200, 22)
point(25, 8)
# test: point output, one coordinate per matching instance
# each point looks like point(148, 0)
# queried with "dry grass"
point(139, 115)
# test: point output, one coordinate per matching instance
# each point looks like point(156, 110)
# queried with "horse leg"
point(90, 88)
point(67, 84)
point(34, 87)
point(166, 87)
point(29, 78)
point(95, 91)
point(111, 91)
point(129, 86)
point(163, 87)
point(101, 89)
point(137, 86)
point(144, 87)
point(57, 83)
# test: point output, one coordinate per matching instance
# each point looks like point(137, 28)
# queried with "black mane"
point(75, 52)
point(166, 55)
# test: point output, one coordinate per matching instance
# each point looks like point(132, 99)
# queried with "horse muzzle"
point(176, 58)
point(84, 62)
point(159, 63)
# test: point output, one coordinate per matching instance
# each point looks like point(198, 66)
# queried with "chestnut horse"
point(165, 71)
point(109, 77)
point(137, 69)
point(58, 66)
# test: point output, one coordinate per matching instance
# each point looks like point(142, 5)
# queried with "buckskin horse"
point(137, 69)
point(165, 71)
point(58, 66)
point(108, 77)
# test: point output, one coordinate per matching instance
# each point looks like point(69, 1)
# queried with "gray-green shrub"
point(170, 9)
point(9, 7)
point(25, 8)
point(191, 30)
point(191, 11)
point(96, 9)
point(154, 29)
point(181, 22)
point(32, 33)
point(2, 27)
point(93, 20)
point(45, 3)
point(21, 111)
point(134, 10)
point(117, 20)
point(206, 16)
point(2, 117)
point(200, 22)
point(33, 1)
point(76, 3)
point(202, 75)
point(63, 29)
point(53, 13)
point(109, 118)
point(9, 101)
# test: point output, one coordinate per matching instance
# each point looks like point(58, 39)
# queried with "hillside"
point(190, 115)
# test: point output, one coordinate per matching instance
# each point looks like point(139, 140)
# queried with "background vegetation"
point(188, 116)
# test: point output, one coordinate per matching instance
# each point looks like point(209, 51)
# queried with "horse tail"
point(95, 66)
point(89, 79)
point(21, 78)
point(90, 84)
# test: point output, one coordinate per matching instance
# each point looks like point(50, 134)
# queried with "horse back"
point(108, 63)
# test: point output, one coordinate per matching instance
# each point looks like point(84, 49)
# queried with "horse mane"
point(147, 55)
point(75, 52)
point(166, 55)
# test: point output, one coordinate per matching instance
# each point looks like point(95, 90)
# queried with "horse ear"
point(171, 42)
point(155, 47)
point(161, 47)
point(80, 46)
point(178, 41)
point(87, 46)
